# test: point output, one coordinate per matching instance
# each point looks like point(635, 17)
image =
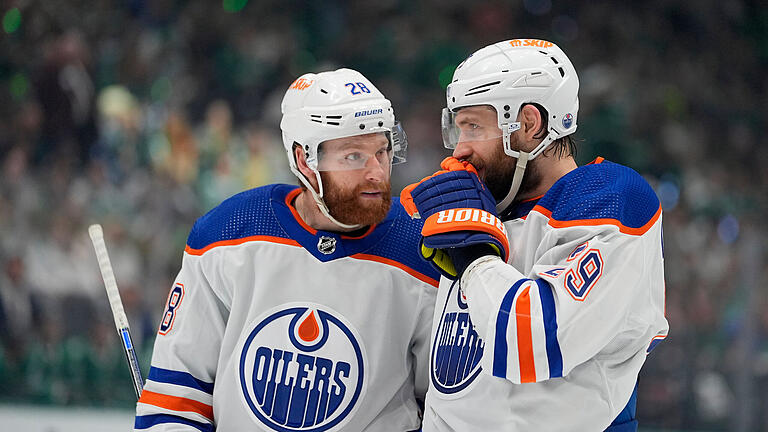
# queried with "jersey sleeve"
point(178, 393)
point(597, 288)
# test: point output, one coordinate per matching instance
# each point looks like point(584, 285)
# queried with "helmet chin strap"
point(522, 162)
point(517, 180)
point(319, 199)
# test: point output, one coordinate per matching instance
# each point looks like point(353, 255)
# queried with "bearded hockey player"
point(302, 308)
point(554, 290)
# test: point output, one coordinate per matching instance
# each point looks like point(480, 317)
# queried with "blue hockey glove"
point(455, 186)
point(460, 216)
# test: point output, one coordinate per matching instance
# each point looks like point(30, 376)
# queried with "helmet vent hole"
point(333, 117)
point(332, 123)
point(505, 70)
point(362, 126)
point(506, 107)
point(506, 115)
point(554, 60)
point(323, 91)
point(453, 99)
point(543, 52)
point(483, 86)
point(381, 123)
point(535, 73)
point(316, 120)
point(562, 72)
point(477, 92)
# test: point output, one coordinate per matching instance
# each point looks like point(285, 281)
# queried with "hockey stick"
point(121, 321)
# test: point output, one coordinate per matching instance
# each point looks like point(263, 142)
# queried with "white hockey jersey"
point(554, 339)
point(274, 326)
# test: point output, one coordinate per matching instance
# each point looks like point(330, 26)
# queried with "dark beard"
point(500, 171)
point(349, 208)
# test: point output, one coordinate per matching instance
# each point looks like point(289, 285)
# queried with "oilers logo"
point(567, 120)
point(457, 348)
point(302, 369)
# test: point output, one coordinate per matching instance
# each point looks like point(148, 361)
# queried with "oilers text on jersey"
point(274, 326)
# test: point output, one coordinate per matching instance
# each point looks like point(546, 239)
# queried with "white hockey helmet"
point(507, 75)
point(335, 104)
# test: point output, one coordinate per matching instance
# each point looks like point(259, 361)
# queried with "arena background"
point(143, 114)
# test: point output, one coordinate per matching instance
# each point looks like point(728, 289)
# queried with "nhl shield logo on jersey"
point(457, 349)
point(302, 369)
point(326, 245)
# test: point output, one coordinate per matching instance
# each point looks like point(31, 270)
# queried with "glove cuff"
point(467, 219)
point(463, 257)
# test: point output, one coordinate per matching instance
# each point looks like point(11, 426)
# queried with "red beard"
point(349, 207)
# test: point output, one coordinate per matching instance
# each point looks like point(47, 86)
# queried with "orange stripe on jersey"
point(397, 264)
point(605, 221)
point(370, 230)
point(532, 199)
point(235, 242)
point(524, 338)
point(288, 199)
point(176, 403)
point(597, 160)
point(288, 202)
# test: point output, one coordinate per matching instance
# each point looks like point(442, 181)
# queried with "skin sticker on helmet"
point(301, 84)
point(531, 42)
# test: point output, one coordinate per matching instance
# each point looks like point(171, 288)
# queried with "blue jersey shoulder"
point(245, 214)
point(602, 191)
point(403, 241)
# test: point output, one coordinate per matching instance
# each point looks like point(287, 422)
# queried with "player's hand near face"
point(460, 217)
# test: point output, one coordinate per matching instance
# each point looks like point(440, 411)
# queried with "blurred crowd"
point(142, 115)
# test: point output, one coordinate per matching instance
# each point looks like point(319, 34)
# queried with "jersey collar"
point(520, 209)
point(323, 245)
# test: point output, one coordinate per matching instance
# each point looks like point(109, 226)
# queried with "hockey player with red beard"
point(302, 308)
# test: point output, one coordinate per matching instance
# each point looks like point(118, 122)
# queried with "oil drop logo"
point(457, 348)
point(302, 368)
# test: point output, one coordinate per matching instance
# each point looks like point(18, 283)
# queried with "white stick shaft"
point(97, 237)
point(121, 321)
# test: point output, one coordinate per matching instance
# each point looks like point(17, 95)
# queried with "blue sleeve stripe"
point(179, 378)
point(502, 322)
point(147, 421)
point(554, 356)
point(655, 341)
point(626, 420)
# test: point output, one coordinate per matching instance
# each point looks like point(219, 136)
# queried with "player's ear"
point(301, 163)
point(530, 122)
